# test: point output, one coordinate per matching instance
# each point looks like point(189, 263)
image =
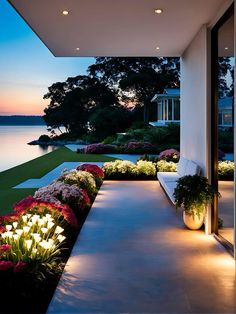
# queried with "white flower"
point(59, 230)
point(8, 227)
point(26, 229)
point(19, 231)
point(44, 230)
point(28, 244)
point(15, 237)
point(15, 224)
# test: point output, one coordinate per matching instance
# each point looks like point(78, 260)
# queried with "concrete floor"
point(134, 255)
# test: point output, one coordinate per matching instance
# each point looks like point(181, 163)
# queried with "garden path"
point(134, 255)
point(52, 175)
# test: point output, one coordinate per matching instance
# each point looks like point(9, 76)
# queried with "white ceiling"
point(117, 27)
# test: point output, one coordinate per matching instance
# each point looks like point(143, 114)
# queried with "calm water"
point(13, 145)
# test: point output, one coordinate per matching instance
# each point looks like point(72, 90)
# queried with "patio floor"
point(134, 255)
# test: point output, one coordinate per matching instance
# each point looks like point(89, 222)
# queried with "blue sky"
point(27, 66)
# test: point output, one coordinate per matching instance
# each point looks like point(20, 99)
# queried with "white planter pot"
point(193, 222)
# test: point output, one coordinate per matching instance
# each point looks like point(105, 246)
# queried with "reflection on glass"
point(225, 129)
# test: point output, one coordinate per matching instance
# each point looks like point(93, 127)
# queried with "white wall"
point(194, 100)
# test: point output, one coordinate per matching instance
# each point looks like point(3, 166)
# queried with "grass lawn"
point(36, 168)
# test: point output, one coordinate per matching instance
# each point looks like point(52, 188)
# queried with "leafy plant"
point(146, 168)
point(139, 148)
point(95, 170)
point(100, 148)
point(82, 179)
point(193, 193)
point(166, 166)
point(124, 169)
point(226, 170)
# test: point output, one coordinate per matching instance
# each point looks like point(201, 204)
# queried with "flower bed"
point(36, 239)
point(139, 148)
point(226, 170)
point(129, 148)
point(166, 166)
point(100, 149)
point(124, 169)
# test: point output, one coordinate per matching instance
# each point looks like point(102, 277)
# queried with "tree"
point(106, 122)
point(224, 67)
point(140, 78)
point(73, 101)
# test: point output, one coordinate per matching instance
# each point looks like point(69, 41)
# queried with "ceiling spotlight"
point(226, 48)
point(65, 12)
point(77, 49)
point(158, 11)
point(157, 48)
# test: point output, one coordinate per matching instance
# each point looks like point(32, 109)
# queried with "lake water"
point(13, 145)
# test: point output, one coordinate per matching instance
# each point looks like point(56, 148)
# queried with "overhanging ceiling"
point(117, 27)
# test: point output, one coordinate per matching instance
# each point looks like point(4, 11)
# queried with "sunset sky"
point(27, 67)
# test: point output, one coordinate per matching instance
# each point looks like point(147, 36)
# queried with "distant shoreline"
point(20, 120)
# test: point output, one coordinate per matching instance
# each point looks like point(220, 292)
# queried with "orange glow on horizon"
point(23, 101)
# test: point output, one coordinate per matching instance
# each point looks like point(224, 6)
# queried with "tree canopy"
point(99, 103)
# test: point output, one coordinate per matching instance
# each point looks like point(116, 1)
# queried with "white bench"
point(168, 180)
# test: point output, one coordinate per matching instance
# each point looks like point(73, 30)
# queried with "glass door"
point(223, 127)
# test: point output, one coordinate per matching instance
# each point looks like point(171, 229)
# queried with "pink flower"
point(100, 149)
point(9, 218)
point(69, 216)
point(86, 200)
point(5, 247)
point(2, 229)
point(169, 153)
point(19, 267)
point(4, 265)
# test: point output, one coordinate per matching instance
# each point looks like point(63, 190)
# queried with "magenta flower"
point(19, 267)
point(169, 153)
point(5, 247)
point(93, 169)
point(4, 265)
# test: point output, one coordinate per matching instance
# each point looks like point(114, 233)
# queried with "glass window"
point(220, 122)
point(227, 117)
point(159, 113)
point(176, 109)
point(170, 109)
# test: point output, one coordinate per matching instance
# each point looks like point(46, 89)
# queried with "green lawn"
point(36, 168)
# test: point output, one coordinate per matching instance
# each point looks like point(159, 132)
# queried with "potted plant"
point(193, 193)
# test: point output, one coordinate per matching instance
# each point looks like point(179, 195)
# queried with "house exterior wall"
point(194, 101)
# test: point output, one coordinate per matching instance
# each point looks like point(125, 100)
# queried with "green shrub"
point(146, 168)
point(82, 179)
point(226, 170)
point(194, 193)
point(124, 169)
point(166, 166)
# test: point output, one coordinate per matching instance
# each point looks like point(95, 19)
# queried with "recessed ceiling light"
point(65, 12)
point(157, 48)
point(158, 11)
point(226, 48)
point(77, 49)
